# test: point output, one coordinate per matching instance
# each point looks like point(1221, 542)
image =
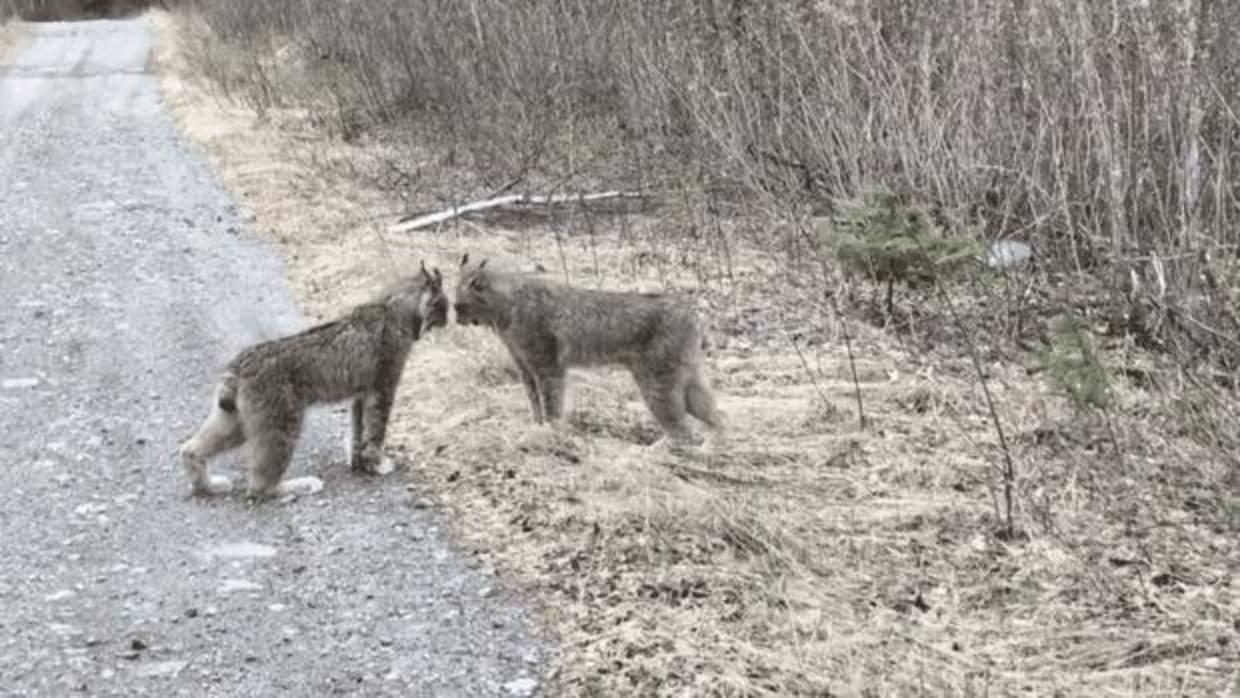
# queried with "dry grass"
point(13, 34)
point(812, 558)
point(70, 10)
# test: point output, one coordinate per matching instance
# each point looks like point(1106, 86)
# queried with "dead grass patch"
point(810, 558)
point(13, 34)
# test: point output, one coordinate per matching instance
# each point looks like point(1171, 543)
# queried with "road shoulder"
point(328, 229)
point(13, 36)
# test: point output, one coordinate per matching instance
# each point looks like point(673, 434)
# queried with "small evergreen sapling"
point(879, 236)
point(1074, 368)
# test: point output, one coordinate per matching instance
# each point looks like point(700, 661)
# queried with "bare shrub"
point(1083, 127)
point(1099, 133)
point(58, 10)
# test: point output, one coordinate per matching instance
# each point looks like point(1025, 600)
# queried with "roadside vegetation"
point(11, 34)
point(55, 10)
point(972, 271)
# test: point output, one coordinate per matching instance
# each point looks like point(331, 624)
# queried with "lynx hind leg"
point(220, 432)
point(272, 441)
point(664, 394)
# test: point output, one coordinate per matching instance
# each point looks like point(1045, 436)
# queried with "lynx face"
point(477, 300)
point(434, 305)
point(420, 302)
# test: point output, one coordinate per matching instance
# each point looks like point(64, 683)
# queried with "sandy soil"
point(813, 558)
point(12, 36)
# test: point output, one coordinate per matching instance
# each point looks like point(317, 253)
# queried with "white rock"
point(158, 669)
point(521, 688)
point(90, 508)
point(1007, 254)
point(241, 549)
point(231, 585)
point(19, 383)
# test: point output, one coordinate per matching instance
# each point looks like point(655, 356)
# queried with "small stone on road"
point(160, 669)
point(521, 688)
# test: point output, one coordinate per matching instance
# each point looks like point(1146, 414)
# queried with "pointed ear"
point(438, 276)
point(482, 264)
point(425, 273)
point(465, 259)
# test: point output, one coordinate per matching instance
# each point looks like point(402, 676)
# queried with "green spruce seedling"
point(879, 236)
point(1074, 368)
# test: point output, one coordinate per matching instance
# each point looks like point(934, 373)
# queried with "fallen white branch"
point(508, 200)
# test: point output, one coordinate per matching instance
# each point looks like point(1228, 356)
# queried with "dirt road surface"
point(127, 278)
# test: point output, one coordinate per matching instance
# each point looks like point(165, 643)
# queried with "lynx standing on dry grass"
point(265, 390)
point(549, 327)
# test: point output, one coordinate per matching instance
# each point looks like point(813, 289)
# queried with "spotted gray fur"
point(549, 327)
point(262, 397)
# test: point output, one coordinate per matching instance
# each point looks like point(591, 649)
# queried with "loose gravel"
point(127, 278)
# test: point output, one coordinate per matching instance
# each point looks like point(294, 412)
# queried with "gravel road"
point(127, 278)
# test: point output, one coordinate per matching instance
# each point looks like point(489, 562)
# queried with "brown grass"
point(812, 558)
point(13, 34)
point(70, 10)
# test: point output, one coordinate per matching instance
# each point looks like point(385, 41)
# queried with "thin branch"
point(839, 313)
point(511, 199)
point(813, 375)
point(1009, 472)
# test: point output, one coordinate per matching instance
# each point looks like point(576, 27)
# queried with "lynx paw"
point(715, 443)
point(211, 485)
point(384, 467)
point(373, 462)
point(670, 446)
point(295, 486)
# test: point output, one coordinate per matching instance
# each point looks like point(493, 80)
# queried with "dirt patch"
point(12, 36)
point(811, 558)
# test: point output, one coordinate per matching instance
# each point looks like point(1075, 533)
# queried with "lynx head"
point(420, 300)
point(479, 299)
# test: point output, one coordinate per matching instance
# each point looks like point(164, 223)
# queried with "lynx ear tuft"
point(426, 274)
point(465, 259)
point(482, 264)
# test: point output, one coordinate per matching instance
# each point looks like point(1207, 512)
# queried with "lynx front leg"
point(376, 408)
point(356, 442)
point(531, 392)
point(376, 411)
